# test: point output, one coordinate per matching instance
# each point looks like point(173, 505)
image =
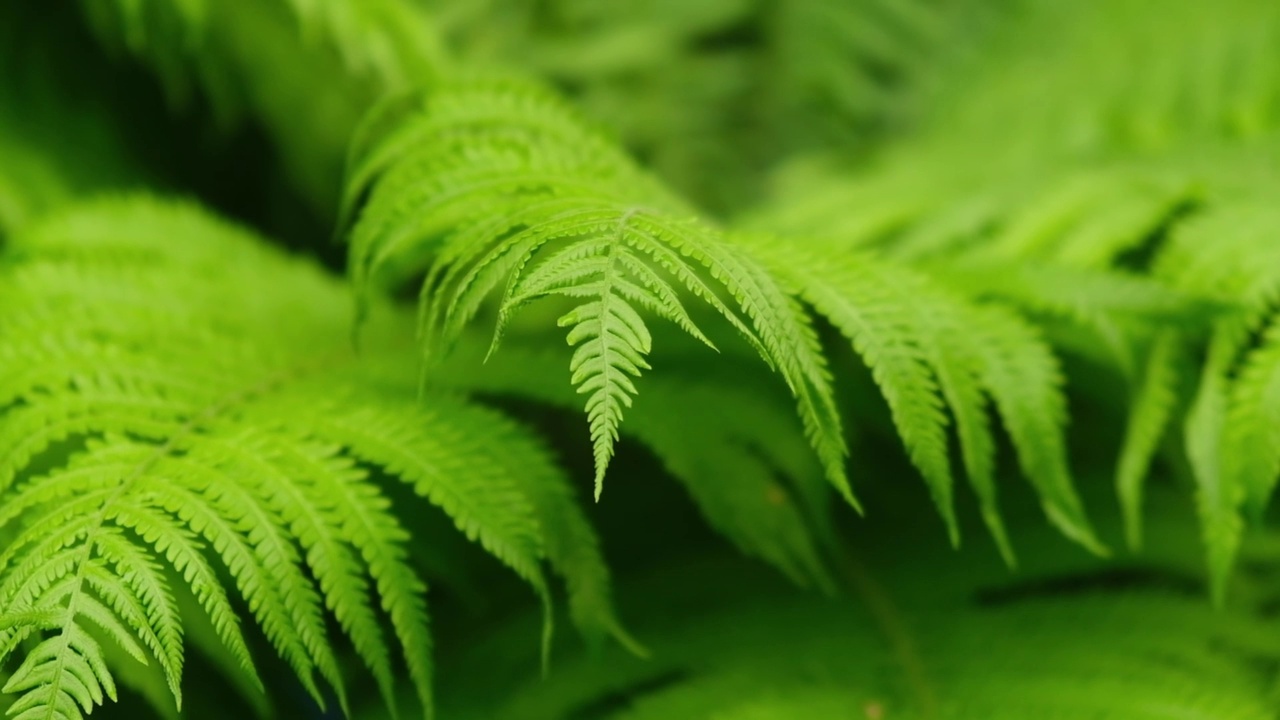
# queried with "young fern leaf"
point(610, 336)
point(215, 417)
point(494, 183)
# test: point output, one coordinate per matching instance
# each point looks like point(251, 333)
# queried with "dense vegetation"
point(644, 359)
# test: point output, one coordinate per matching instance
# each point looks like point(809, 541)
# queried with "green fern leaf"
point(1025, 383)
point(1227, 255)
point(63, 676)
point(1219, 495)
point(217, 428)
point(494, 183)
point(931, 353)
point(864, 306)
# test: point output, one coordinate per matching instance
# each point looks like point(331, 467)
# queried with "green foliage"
point(769, 249)
point(1166, 178)
point(275, 61)
point(500, 185)
point(967, 642)
point(230, 428)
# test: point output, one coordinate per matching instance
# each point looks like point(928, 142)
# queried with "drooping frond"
point(1231, 254)
point(1057, 203)
point(186, 397)
point(1034, 229)
point(1253, 421)
point(494, 184)
point(939, 359)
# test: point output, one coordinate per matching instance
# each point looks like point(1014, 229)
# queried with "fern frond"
point(1024, 380)
point(1229, 254)
point(63, 676)
point(175, 417)
point(494, 183)
point(1175, 163)
point(880, 328)
point(934, 355)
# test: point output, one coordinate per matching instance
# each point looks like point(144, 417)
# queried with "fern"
point(227, 425)
point(493, 184)
point(953, 232)
point(1062, 216)
point(1233, 390)
point(932, 355)
point(500, 185)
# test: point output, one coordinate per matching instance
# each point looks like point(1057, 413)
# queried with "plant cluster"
point(955, 323)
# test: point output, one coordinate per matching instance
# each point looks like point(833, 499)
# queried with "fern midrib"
point(188, 428)
point(606, 295)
